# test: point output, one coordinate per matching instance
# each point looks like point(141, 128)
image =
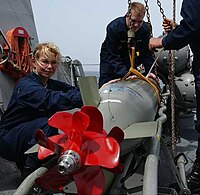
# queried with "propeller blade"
point(57, 183)
point(95, 150)
point(62, 141)
point(44, 141)
point(80, 121)
point(117, 134)
point(96, 119)
point(32, 149)
point(62, 121)
point(43, 152)
point(90, 180)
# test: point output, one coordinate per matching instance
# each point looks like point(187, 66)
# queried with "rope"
point(174, 11)
point(171, 82)
point(172, 90)
point(155, 61)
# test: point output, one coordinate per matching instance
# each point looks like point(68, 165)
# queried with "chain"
point(161, 9)
point(154, 65)
point(148, 16)
point(129, 6)
point(163, 16)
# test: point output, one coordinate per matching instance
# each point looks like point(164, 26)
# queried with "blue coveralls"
point(188, 32)
point(114, 55)
point(30, 107)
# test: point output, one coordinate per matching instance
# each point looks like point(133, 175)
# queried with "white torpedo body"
point(127, 102)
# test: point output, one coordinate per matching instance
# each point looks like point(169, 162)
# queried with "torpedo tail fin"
point(89, 90)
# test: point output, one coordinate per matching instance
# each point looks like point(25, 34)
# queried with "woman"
point(35, 98)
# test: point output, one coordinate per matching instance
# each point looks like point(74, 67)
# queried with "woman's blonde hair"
point(47, 50)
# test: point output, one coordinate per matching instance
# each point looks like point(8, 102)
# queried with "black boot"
point(193, 179)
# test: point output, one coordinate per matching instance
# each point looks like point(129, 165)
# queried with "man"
point(114, 56)
point(35, 99)
point(188, 32)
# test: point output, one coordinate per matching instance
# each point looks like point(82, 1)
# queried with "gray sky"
point(78, 26)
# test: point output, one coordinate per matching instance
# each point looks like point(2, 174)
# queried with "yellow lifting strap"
point(132, 60)
point(139, 75)
point(132, 70)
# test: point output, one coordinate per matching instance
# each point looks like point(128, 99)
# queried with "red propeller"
point(84, 149)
